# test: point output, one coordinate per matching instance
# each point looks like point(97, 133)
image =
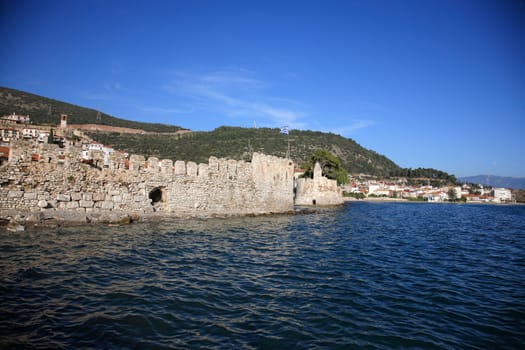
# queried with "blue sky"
point(428, 83)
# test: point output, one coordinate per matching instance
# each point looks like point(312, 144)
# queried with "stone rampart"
point(45, 178)
point(317, 191)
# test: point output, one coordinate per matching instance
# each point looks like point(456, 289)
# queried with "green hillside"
point(238, 143)
point(227, 142)
point(43, 110)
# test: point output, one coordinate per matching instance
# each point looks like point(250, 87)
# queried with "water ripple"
point(368, 275)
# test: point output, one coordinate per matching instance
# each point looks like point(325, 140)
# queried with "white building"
point(42, 136)
point(502, 194)
point(87, 149)
point(460, 192)
point(373, 188)
point(382, 192)
point(30, 133)
point(94, 146)
point(8, 134)
point(19, 119)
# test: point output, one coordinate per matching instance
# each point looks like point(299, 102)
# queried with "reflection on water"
point(365, 275)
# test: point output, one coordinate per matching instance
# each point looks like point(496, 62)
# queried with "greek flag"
point(284, 130)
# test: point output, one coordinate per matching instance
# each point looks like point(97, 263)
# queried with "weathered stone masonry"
point(318, 191)
point(58, 180)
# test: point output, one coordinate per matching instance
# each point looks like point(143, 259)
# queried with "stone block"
point(42, 203)
point(44, 195)
point(35, 217)
point(107, 205)
point(87, 196)
point(63, 197)
point(72, 205)
point(15, 194)
point(117, 199)
point(86, 203)
point(76, 196)
point(30, 195)
point(97, 196)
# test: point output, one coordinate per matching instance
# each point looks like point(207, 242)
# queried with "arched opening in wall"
point(157, 196)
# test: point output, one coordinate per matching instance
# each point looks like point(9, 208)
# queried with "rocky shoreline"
point(16, 221)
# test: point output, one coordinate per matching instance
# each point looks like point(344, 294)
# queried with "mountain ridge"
point(178, 143)
point(496, 181)
point(45, 110)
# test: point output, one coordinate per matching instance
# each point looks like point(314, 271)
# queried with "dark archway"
point(156, 195)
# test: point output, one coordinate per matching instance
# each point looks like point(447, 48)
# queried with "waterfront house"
point(502, 194)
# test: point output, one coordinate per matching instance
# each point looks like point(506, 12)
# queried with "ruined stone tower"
point(63, 121)
point(317, 191)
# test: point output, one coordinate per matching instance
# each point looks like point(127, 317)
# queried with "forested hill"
point(238, 143)
point(43, 110)
point(227, 142)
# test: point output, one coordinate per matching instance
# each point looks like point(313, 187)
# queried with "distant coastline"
point(402, 200)
point(376, 199)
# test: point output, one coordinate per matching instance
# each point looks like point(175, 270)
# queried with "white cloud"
point(352, 128)
point(236, 94)
point(358, 125)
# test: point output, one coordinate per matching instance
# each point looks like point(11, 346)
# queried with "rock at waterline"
point(15, 226)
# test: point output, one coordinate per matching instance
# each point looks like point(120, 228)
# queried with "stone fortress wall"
point(45, 178)
point(318, 191)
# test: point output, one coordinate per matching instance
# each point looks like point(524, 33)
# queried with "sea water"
point(364, 275)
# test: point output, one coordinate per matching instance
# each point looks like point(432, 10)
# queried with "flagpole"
point(288, 153)
point(284, 130)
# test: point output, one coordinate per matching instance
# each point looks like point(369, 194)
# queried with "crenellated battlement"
point(44, 177)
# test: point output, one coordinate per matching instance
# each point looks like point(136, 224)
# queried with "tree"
point(330, 165)
point(452, 195)
point(51, 137)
